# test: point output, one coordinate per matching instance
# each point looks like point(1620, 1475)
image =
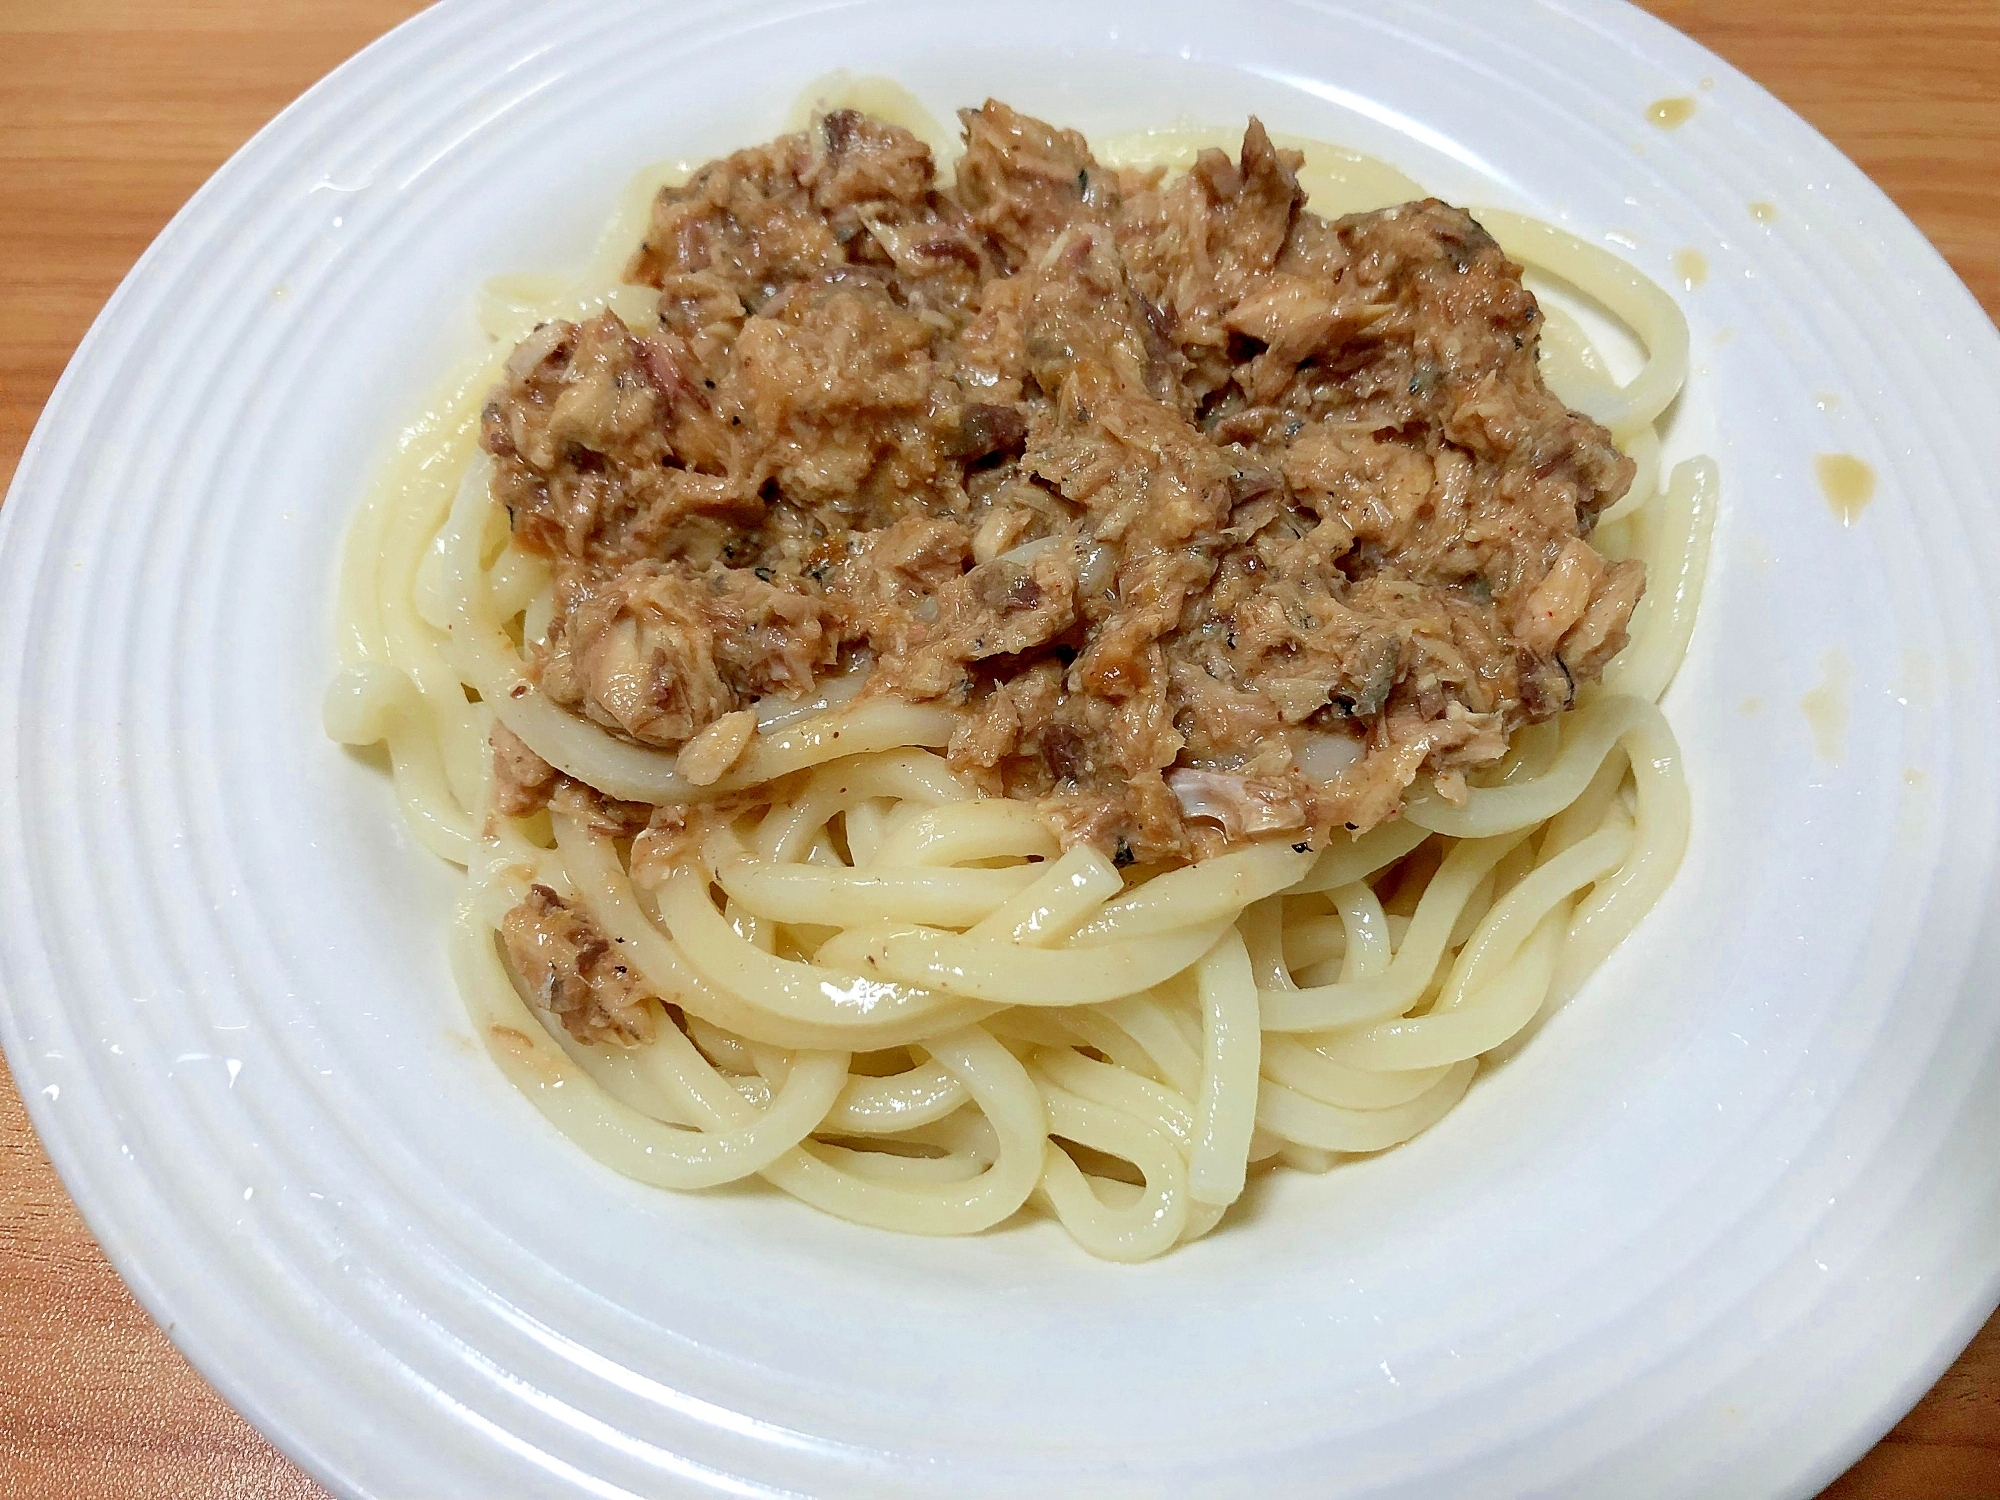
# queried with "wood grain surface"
point(113, 111)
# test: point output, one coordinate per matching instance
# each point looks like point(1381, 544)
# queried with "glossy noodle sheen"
point(801, 946)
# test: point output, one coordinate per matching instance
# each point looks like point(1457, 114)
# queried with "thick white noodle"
point(907, 1005)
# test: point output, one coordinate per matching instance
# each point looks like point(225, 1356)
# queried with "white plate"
point(1710, 1233)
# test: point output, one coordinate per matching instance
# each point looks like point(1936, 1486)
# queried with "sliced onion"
point(1028, 551)
point(1100, 566)
point(1322, 756)
point(1227, 799)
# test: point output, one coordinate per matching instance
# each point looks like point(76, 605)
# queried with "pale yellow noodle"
point(892, 998)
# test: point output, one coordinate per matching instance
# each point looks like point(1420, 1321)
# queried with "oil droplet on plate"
point(1751, 705)
point(1825, 707)
point(1671, 114)
point(1826, 400)
point(1763, 212)
point(1691, 266)
point(1847, 483)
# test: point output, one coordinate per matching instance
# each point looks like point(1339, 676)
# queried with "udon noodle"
point(902, 1002)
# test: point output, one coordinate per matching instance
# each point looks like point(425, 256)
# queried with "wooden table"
point(113, 111)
